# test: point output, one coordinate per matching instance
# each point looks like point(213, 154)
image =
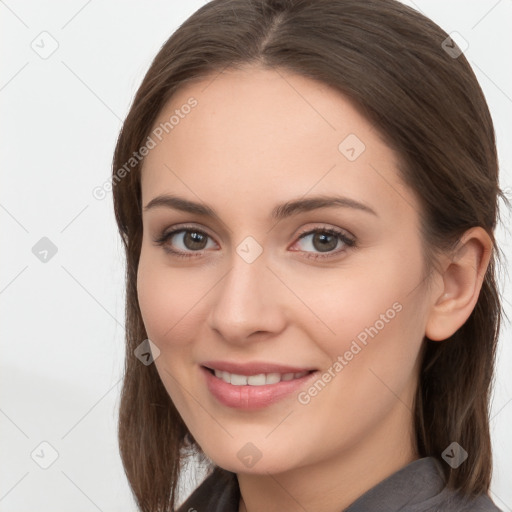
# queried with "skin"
point(257, 138)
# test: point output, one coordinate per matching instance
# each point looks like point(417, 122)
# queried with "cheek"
point(362, 306)
point(156, 300)
point(170, 300)
point(378, 334)
point(372, 373)
point(166, 304)
point(376, 320)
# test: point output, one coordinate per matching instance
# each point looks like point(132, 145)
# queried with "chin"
point(278, 463)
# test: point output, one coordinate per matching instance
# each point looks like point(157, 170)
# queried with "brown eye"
point(184, 241)
point(325, 240)
point(195, 240)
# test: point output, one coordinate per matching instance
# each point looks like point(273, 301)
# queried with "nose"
point(248, 302)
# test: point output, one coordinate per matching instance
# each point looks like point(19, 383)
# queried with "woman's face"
point(246, 287)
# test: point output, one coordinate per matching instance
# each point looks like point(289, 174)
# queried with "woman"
point(307, 193)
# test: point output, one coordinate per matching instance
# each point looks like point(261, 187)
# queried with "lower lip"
point(252, 397)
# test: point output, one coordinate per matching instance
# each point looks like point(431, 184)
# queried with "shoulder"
point(480, 504)
point(218, 492)
point(456, 502)
point(453, 500)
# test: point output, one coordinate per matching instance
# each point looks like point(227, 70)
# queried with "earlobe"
point(462, 281)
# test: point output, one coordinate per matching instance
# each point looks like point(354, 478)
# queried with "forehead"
point(257, 134)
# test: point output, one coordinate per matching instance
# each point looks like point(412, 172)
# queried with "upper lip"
point(254, 368)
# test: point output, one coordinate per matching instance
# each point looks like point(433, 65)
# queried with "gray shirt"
point(417, 487)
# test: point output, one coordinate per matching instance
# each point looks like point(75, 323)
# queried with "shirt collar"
point(414, 484)
point(412, 488)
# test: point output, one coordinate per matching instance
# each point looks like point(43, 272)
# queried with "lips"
point(242, 387)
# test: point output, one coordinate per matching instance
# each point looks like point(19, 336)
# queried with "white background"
point(62, 346)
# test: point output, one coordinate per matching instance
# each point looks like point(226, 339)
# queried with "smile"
point(261, 379)
point(256, 391)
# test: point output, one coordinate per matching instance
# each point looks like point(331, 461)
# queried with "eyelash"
point(164, 237)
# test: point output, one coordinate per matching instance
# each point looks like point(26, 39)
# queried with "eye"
point(192, 241)
point(187, 239)
point(325, 240)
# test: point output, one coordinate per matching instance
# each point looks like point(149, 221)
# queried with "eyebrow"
point(279, 212)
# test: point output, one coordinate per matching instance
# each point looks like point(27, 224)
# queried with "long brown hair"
point(405, 76)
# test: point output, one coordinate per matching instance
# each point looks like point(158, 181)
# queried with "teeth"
point(257, 380)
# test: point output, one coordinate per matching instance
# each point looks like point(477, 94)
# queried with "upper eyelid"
point(318, 226)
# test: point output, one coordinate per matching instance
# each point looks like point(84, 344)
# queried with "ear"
point(462, 280)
